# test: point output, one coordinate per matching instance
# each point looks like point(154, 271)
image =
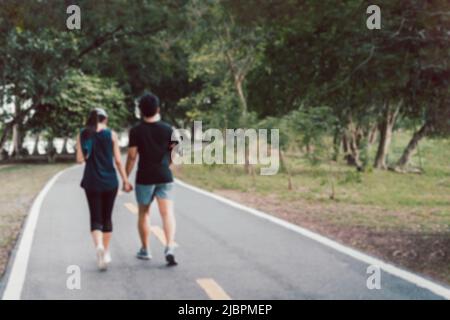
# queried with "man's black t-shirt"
point(153, 141)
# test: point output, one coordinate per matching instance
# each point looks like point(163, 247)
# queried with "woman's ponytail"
point(91, 125)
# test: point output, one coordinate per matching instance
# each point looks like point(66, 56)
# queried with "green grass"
point(404, 201)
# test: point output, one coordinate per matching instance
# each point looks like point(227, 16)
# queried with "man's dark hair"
point(149, 104)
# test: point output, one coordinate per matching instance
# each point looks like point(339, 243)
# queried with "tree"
point(321, 53)
point(29, 67)
point(63, 114)
point(222, 53)
point(37, 51)
point(428, 94)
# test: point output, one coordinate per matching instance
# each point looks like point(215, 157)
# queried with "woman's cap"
point(101, 112)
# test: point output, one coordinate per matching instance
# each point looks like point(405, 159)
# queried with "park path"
point(224, 252)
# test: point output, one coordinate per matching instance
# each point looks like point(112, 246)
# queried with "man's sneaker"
point(101, 259)
point(143, 254)
point(107, 257)
point(170, 256)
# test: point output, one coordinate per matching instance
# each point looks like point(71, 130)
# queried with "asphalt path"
point(224, 252)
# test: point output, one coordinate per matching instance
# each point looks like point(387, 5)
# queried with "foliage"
point(221, 55)
point(63, 114)
point(236, 64)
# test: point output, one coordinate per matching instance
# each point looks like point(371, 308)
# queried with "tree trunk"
point(18, 135)
point(344, 143)
point(372, 137)
point(5, 135)
point(16, 131)
point(35, 150)
point(385, 140)
point(337, 140)
point(238, 77)
point(355, 152)
point(351, 146)
point(288, 171)
point(412, 146)
point(17, 141)
point(349, 157)
point(385, 127)
point(9, 126)
point(51, 151)
point(64, 146)
point(241, 95)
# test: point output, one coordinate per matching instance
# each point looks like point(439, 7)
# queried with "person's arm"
point(118, 161)
point(131, 159)
point(79, 151)
point(174, 152)
point(174, 155)
point(132, 151)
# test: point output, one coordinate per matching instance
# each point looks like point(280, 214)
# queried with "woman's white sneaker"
point(107, 257)
point(101, 259)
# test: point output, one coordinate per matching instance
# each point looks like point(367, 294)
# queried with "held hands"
point(127, 187)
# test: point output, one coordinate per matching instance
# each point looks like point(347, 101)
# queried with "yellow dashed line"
point(156, 230)
point(212, 289)
point(132, 207)
point(159, 233)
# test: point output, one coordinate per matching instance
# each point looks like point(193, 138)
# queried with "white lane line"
point(17, 276)
point(389, 268)
point(212, 289)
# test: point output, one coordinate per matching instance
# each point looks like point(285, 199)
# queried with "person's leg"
point(106, 240)
point(97, 236)
point(144, 197)
point(144, 225)
point(95, 211)
point(163, 193)
point(108, 199)
point(168, 219)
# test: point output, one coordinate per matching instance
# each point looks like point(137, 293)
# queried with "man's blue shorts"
point(145, 193)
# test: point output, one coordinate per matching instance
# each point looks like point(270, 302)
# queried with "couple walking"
point(98, 147)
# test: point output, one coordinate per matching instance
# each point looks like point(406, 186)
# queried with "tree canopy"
point(235, 63)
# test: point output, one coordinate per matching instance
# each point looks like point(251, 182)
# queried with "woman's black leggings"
point(101, 206)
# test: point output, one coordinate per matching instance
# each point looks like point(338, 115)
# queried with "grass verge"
point(401, 218)
point(20, 184)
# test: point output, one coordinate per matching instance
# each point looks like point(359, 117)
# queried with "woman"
point(97, 146)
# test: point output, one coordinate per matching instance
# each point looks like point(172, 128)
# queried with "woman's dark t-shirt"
point(99, 172)
point(153, 141)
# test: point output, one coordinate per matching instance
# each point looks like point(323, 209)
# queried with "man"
point(151, 139)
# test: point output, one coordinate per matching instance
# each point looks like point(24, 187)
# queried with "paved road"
point(224, 252)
